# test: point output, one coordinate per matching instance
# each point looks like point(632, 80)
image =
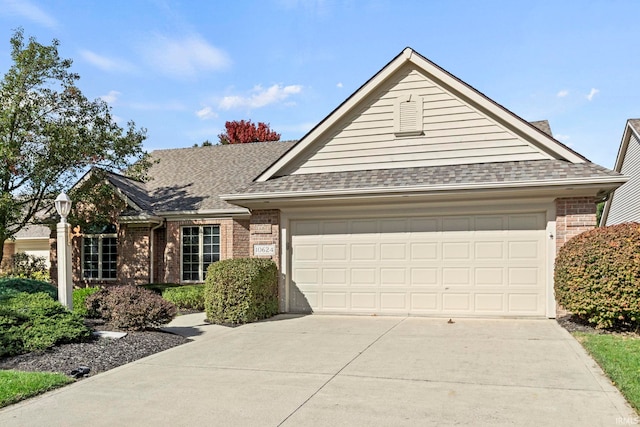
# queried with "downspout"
point(152, 249)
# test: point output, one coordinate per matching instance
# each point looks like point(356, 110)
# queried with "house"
point(418, 194)
point(32, 240)
point(624, 204)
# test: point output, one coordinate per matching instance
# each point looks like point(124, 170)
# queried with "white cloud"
point(206, 113)
point(593, 93)
point(105, 63)
point(339, 84)
point(28, 10)
point(562, 93)
point(111, 97)
point(185, 57)
point(260, 97)
point(561, 137)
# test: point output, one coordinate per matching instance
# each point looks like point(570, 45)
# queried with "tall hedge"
point(597, 276)
point(241, 290)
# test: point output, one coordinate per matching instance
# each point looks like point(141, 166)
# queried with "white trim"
point(551, 260)
point(201, 270)
point(599, 183)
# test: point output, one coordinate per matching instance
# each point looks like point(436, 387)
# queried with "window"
point(200, 247)
point(408, 116)
point(99, 253)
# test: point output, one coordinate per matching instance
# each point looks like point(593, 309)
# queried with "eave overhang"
point(599, 188)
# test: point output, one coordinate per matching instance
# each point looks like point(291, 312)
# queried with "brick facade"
point(264, 229)
point(574, 216)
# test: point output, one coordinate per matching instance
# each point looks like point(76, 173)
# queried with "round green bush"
point(241, 290)
point(597, 276)
point(35, 322)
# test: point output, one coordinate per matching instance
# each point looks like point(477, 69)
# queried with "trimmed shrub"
point(241, 290)
point(597, 276)
point(79, 301)
point(189, 297)
point(12, 286)
point(35, 322)
point(131, 308)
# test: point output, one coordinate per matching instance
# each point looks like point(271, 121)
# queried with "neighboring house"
point(624, 204)
point(417, 195)
point(32, 240)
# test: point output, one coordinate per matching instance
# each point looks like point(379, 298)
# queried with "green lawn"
point(16, 385)
point(619, 358)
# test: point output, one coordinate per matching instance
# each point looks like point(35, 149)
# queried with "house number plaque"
point(264, 250)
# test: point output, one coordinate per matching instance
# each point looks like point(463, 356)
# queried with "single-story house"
point(624, 204)
point(417, 195)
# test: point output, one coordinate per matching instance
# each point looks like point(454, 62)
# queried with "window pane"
point(90, 254)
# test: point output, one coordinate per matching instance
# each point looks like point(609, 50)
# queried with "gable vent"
point(408, 116)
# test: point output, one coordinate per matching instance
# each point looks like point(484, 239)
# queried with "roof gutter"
point(613, 182)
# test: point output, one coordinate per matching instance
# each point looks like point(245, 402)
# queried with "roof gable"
point(456, 125)
point(622, 205)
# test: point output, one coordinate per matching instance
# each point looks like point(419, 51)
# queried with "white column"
point(65, 280)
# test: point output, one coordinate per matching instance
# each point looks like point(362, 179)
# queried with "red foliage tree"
point(244, 131)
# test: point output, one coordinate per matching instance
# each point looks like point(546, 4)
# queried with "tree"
point(50, 134)
point(244, 131)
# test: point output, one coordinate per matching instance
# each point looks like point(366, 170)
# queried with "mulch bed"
point(99, 354)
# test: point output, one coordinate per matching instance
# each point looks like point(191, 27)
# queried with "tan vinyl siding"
point(454, 133)
point(625, 205)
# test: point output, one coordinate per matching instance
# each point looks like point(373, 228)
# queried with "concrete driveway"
point(346, 370)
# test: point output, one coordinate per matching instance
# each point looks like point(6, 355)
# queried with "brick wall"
point(264, 229)
point(133, 255)
point(574, 216)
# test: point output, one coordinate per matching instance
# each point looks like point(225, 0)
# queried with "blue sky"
point(183, 68)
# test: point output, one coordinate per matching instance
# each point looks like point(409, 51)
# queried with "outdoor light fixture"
point(63, 206)
point(65, 279)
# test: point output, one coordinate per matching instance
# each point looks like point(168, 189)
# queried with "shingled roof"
point(191, 179)
point(480, 173)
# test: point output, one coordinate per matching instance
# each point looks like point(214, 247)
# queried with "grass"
point(16, 385)
point(619, 358)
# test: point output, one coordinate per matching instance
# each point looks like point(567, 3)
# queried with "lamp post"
point(65, 281)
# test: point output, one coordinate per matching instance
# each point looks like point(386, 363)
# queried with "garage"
point(465, 265)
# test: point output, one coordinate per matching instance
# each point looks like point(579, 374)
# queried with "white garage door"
point(38, 248)
point(464, 265)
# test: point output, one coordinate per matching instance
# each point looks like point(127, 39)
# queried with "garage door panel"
point(424, 250)
point(394, 301)
point(364, 301)
point(494, 302)
point(392, 251)
point(456, 302)
point(424, 302)
point(456, 250)
point(489, 250)
point(485, 265)
point(524, 249)
point(489, 276)
point(421, 276)
point(363, 276)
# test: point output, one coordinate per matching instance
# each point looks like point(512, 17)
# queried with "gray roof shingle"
point(190, 179)
point(635, 124)
point(482, 173)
